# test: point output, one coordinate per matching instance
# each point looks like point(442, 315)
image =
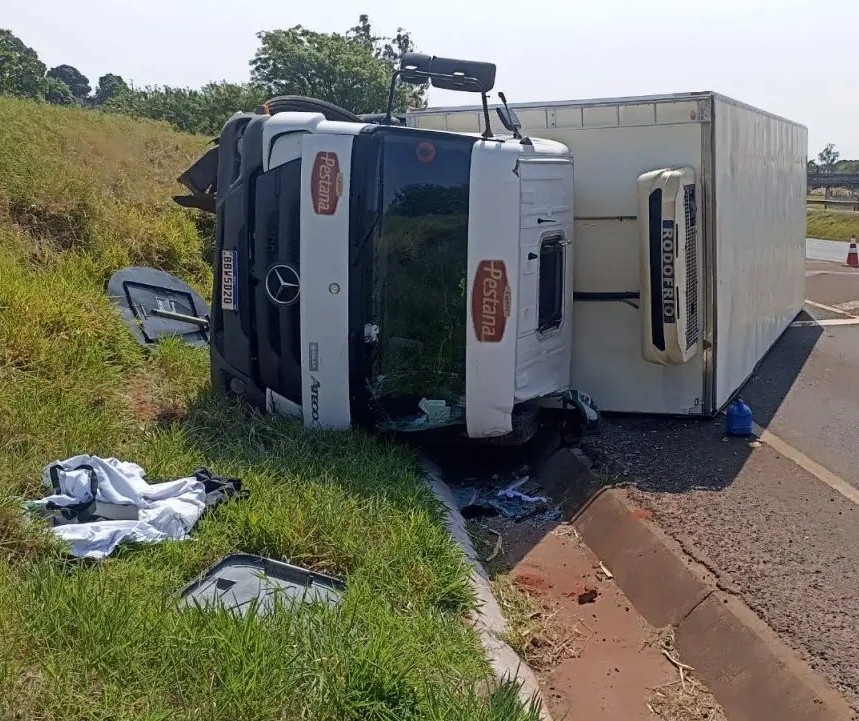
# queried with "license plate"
point(229, 294)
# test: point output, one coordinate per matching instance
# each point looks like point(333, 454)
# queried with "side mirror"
point(448, 73)
point(509, 119)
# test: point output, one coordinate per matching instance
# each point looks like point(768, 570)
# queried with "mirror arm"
point(416, 76)
point(487, 133)
point(394, 76)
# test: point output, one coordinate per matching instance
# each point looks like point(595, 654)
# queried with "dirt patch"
point(150, 404)
point(67, 228)
point(531, 583)
point(536, 631)
point(594, 655)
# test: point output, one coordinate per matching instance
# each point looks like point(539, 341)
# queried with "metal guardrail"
point(839, 203)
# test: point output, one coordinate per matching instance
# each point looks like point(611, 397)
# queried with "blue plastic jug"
point(738, 420)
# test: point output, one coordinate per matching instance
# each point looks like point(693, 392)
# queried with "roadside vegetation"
point(832, 224)
point(351, 69)
point(81, 195)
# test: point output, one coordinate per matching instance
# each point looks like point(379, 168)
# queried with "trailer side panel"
point(612, 144)
point(760, 182)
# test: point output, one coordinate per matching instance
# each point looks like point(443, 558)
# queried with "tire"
point(301, 104)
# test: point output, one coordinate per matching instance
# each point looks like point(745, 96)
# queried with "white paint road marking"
point(830, 308)
point(809, 273)
point(827, 321)
point(849, 305)
point(836, 483)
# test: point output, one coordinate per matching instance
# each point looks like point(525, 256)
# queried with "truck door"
point(544, 340)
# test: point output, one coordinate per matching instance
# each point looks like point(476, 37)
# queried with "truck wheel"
point(301, 104)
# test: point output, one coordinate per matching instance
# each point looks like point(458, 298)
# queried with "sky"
point(794, 58)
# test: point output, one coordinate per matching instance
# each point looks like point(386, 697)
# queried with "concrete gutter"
point(487, 619)
point(752, 672)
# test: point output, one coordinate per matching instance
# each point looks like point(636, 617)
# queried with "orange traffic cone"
point(853, 255)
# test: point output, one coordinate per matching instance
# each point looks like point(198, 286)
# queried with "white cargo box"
point(684, 278)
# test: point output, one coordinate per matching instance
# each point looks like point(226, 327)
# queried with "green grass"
point(82, 194)
point(832, 224)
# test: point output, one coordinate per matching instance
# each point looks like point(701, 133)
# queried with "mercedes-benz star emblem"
point(282, 285)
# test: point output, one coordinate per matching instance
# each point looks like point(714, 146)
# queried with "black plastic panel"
point(655, 234)
point(276, 242)
point(233, 328)
point(137, 292)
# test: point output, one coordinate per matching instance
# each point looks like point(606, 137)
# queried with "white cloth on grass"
point(166, 510)
point(100, 539)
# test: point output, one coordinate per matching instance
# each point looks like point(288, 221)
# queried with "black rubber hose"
point(301, 104)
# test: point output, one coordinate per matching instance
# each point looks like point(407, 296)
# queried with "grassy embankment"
point(82, 194)
point(832, 224)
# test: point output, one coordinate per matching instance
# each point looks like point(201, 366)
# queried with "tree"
point(76, 81)
point(194, 111)
point(846, 166)
point(362, 33)
point(21, 72)
point(109, 86)
point(828, 157)
point(351, 70)
point(389, 51)
point(383, 48)
point(218, 101)
point(55, 91)
point(811, 167)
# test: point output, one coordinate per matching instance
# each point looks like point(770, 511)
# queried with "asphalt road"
point(832, 250)
point(777, 535)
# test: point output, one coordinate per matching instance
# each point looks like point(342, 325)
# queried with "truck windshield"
point(415, 241)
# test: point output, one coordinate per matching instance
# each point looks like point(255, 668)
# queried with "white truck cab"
point(400, 278)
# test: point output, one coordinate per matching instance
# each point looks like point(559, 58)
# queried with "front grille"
point(691, 217)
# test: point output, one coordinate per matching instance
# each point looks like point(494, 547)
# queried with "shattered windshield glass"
point(418, 289)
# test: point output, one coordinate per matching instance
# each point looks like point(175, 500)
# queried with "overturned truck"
point(373, 273)
point(423, 272)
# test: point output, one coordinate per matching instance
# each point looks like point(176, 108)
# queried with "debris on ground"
point(686, 698)
point(155, 305)
point(98, 503)
point(241, 583)
point(536, 633)
point(589, 595)
point(569, 621)
point(508, 502)
point(608, 575)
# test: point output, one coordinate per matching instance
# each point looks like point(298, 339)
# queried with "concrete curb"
point(751, 671)
point(487, 619)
